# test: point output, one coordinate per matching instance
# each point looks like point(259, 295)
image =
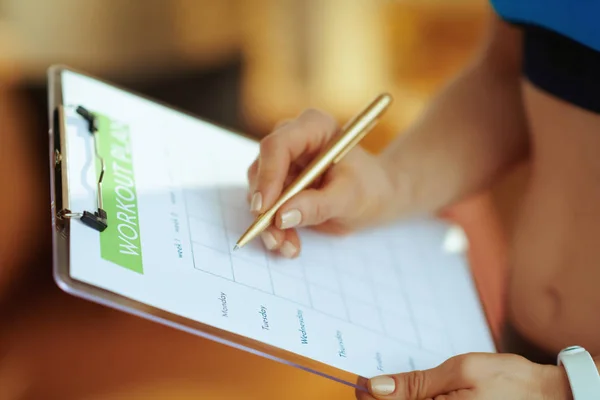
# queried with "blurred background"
point(242, 63)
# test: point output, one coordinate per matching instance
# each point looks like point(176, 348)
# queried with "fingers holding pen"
point(316, 206)
point(308, 208)
point(283, 155)
point(284, 242)
point(292, 142)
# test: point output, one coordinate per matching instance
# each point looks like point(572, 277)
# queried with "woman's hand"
point(354, 193)
point(474, 376)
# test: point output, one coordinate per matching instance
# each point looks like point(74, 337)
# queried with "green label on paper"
point(120, 243)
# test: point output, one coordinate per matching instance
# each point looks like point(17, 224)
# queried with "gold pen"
point(351, 134)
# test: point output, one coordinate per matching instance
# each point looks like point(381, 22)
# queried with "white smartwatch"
point(582, 373)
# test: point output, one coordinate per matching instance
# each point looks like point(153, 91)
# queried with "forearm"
point(472, 131)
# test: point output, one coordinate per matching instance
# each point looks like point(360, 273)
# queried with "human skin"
point(485, 121)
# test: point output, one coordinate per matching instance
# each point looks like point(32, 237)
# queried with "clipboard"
point(96, 219)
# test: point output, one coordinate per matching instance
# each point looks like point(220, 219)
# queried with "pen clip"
point(355, 142)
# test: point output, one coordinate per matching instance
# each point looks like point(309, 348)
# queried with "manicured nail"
point(288, 250)
point(256, 203)
point(269, 240)
point(382, 385)
point(290, 218)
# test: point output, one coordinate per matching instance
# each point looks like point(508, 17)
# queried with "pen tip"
point(236, 247)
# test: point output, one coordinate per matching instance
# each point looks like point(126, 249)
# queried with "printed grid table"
point(364, 285)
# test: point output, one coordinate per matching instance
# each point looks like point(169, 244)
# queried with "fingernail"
point(382, 385)
point(269, 240)
point(288, 250)
point(256, 203)
point(290, 218)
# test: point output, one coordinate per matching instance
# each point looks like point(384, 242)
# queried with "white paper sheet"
point(385, 301)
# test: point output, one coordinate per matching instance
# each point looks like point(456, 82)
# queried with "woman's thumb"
point(420, 385)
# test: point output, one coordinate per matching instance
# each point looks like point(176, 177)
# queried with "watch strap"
point(582, 373)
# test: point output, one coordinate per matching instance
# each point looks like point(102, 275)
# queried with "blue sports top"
point(561, 46)
point(578, 20)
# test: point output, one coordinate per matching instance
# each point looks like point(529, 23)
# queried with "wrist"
point(422, 183)
point(581, 371)
point(556, 385)
point(553, 383)
point(402, 187)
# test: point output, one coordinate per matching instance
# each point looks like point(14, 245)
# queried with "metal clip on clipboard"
point(98, 219)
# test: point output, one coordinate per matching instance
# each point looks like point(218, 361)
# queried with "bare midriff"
point(554, 291)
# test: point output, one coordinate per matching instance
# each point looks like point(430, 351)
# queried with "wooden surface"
point(20, 190)
point(133, 39)
point(64, 348)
